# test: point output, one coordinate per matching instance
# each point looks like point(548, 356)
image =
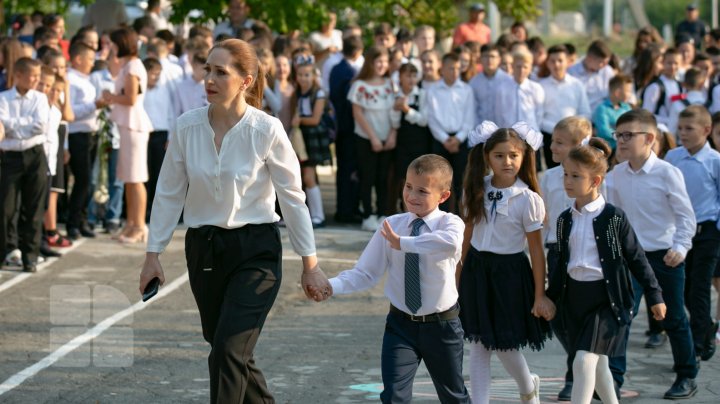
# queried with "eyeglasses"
point(627, 136)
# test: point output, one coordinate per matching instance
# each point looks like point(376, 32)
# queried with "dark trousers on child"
point(235, 277)
point(458, 161)
point(373, 168)
point(438, 343)
point(24, 176)
point(83, 149)
point(155, 156)
point(346, 177)
point(700, 265)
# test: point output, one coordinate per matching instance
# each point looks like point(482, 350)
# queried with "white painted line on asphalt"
point(20, 377)
point(41, 267)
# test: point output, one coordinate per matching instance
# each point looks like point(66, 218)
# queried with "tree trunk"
point(637, 8)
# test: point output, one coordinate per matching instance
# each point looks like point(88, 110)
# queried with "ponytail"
point(254, 94)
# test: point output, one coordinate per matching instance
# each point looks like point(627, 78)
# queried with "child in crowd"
point(430, 69)
point(486, 84)
point(520, 99)
point(310, 105)
point(506, 62)
point(540, 53)
point(372, 97)
point(591, 286)
point(694, 94)
point(24, 113)
point(564, 96)
point(450, 113)
point(594, 72)
point(658, 95)
point(191, 91)
point(158, 105)
point(665, 229)
point(700, 165)
point(569, 133)
point(419, 250)
point(502, 294)
point(284, 90)
point(616, 104)
point(409, 120)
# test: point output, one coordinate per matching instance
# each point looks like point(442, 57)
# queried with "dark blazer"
point(619, 251)
point(340, 80)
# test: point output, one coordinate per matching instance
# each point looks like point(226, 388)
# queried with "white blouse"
point(556, 200)
point(236, 187)
point(584, 262)
point(377, 103)
point(519, 211)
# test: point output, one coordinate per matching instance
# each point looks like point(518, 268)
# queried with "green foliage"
point(520, 10)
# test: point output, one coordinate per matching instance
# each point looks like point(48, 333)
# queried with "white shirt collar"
point(515, 189)
point(430, 219)
point(649, 163)
point(591, 207)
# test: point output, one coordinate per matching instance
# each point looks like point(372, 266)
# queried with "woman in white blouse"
point(224, 166)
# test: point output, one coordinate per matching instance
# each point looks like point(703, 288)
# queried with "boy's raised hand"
point(659, 311)
point(390, 235)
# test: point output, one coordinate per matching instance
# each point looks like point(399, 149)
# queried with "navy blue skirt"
point(496, 296)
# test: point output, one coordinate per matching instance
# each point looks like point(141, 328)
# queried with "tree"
point(520, 10)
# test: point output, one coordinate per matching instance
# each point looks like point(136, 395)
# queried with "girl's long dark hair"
point(473, 201)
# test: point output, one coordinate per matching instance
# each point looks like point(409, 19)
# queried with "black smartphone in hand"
point(151, 289)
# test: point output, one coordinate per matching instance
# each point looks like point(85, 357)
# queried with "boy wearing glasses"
point(652, 194)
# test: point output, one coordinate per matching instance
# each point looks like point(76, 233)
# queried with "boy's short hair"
point(577, 127)
point(557, 49)
point(383, 28)
point(451, 57)
point(351, 45)
point(535, 43)
point(694, 78)
point(618, 81)
point(701, 57)
point(599, 48)
point(430, 52)
point(151, 63)
point(166, 35)
point(79, 48)
point(526, 57)
point(489, 47)
point(698, 113)
point(432, 164)
point(571, 49)
point(24, 64)
point(641, 116)
point(42, 34)
point(46, 70)
point(59, 79)
point(671, 52)
point(408, 68)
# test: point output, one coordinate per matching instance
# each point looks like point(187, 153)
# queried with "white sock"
point(604, 382)
point(516, 366)
point(479, 373)
point(584, 372)
point(315, 203)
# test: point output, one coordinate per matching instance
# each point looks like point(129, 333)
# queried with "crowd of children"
point(618, 213)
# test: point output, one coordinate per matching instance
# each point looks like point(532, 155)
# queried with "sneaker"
point(370, 223)
point(14, 259)
point(58, 241)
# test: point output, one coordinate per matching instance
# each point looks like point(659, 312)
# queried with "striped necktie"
point(413, 297)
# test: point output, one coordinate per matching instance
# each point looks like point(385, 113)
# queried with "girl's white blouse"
point(236, 187)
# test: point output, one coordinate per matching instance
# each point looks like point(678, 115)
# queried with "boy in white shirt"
point(191, 92)
point(449, 107)
point(593, 71)
point(520, 99)
point(419, 250)
point(694, 84)
point(656, 97)
point(564, 96)
point(24, 113)
point(485, 85)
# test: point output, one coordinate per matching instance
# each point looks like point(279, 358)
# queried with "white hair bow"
point(585, 141)
point(483, 132)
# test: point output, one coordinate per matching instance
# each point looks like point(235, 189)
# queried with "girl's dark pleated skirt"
point(589, 320)
point(496, 296)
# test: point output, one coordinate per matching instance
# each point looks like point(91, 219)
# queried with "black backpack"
point(663, 93)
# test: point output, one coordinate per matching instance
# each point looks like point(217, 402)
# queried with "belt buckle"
point(417, 319)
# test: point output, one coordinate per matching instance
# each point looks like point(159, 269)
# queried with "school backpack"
point(663, 93)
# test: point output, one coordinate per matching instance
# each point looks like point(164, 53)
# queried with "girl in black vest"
point(592, 286)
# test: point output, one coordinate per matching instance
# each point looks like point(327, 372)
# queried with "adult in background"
point(693, 26)
point(238, 24)
point(474, 29)
point(134, 127)
point(233, 246)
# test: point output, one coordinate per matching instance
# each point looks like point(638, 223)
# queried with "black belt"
point(429, 318)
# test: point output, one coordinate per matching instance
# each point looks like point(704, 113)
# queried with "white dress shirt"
point(25, 118)
point(158, 105)
point(82, 100)
point(519, 211)
point(556, 200)
point(485, 89)
point(103, 80)
point(413, 116)
point(439, 246)
point(450, 109)
point(519, 102)
point(191, 94)
point(676, 107)
point(235, 187)
point(651, 98)
point(52, 141)
point(584, 262)
point(715, 106)
point(322, 42)
point(376, 102)
point(563, 98)
point(596, 83)
point(656, 203)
